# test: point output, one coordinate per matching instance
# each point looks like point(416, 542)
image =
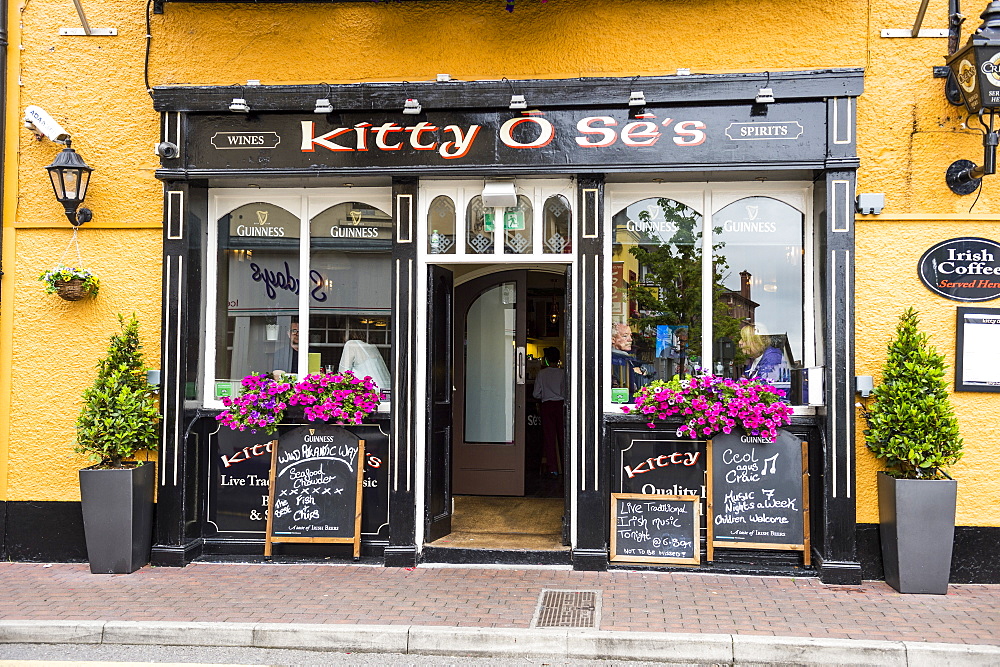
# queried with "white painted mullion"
point(212, 282)
point(305, 248)
point(707, 280)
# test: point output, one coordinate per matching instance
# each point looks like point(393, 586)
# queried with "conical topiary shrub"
point(911, 424)
point(119, 414)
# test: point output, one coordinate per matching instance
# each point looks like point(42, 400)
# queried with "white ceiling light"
point(500, 194)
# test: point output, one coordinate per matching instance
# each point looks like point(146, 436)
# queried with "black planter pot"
point(118, 517)
point(917, 525)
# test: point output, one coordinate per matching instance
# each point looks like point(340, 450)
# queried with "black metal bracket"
point(960, 179)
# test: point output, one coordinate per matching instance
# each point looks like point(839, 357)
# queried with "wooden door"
point(489, 401)
point(440, 286)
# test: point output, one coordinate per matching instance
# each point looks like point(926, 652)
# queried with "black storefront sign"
point(962, 269)
point(663, 137)
point(649, 463)
point(238, 484)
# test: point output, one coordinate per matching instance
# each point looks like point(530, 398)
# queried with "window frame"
point(304, 203)
point(462, 192)
point(708, 199)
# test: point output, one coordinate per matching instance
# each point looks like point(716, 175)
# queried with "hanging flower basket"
point(70, 283)
point(71, 290)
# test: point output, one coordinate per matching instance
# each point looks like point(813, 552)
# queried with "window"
point(539, 227)
point(728, 293)
point(302, 284)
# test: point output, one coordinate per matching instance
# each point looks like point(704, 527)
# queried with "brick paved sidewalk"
point(497, 597)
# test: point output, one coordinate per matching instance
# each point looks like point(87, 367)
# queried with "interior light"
point(764, 96)
point(411, 107)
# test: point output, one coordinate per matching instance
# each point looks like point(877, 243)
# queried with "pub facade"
point(314, 204)
point(461, 241)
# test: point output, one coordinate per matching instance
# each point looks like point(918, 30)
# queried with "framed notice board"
point(758, 493)
point(315, 488)
point(648, 528)
point(977, 353)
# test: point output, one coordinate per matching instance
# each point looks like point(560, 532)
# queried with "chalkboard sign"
point(315, 487)
point(758, 493)
point(655, 528)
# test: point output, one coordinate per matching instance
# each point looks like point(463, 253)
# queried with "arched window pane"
point(257, 241)
point(759, 239)
point(351, 222)
point(478, 239)
point(489, 368)
point(517, 227)
point(350, 323)
point(441, 226)
point(656, 318)
point(557, 232)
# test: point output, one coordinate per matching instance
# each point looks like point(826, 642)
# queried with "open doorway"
point(490, 469)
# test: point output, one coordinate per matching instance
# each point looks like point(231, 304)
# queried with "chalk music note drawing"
point(773, 460)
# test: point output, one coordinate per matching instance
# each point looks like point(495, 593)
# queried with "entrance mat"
point(567, 609)
point(500, 522)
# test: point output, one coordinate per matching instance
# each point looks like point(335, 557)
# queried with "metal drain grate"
point(567, 609)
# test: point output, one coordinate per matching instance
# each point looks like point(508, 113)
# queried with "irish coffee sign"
point(962, 269)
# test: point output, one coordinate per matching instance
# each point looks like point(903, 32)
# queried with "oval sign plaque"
point(964, 269)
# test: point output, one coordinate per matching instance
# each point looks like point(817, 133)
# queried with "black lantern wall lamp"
point(975, 72)
point(70, 177)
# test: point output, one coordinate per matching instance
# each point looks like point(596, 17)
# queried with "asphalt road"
point(18, 655)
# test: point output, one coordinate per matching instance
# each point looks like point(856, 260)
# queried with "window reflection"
point(761, 239)
point(261, 324)
point(656, 294)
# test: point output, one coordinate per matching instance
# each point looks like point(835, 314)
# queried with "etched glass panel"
point(556, 233)
point(517, 227)
point(478, 239)
point(441, 226)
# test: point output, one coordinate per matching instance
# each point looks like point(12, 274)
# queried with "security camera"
point(41, 123)
point(167, 150)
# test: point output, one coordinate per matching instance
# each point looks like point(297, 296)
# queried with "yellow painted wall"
point(907, 135)
point(49, 347)
point(888, 251)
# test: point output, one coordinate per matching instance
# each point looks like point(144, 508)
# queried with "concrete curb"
point(506, 642)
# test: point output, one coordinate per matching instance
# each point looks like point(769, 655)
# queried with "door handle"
point(520, 365)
